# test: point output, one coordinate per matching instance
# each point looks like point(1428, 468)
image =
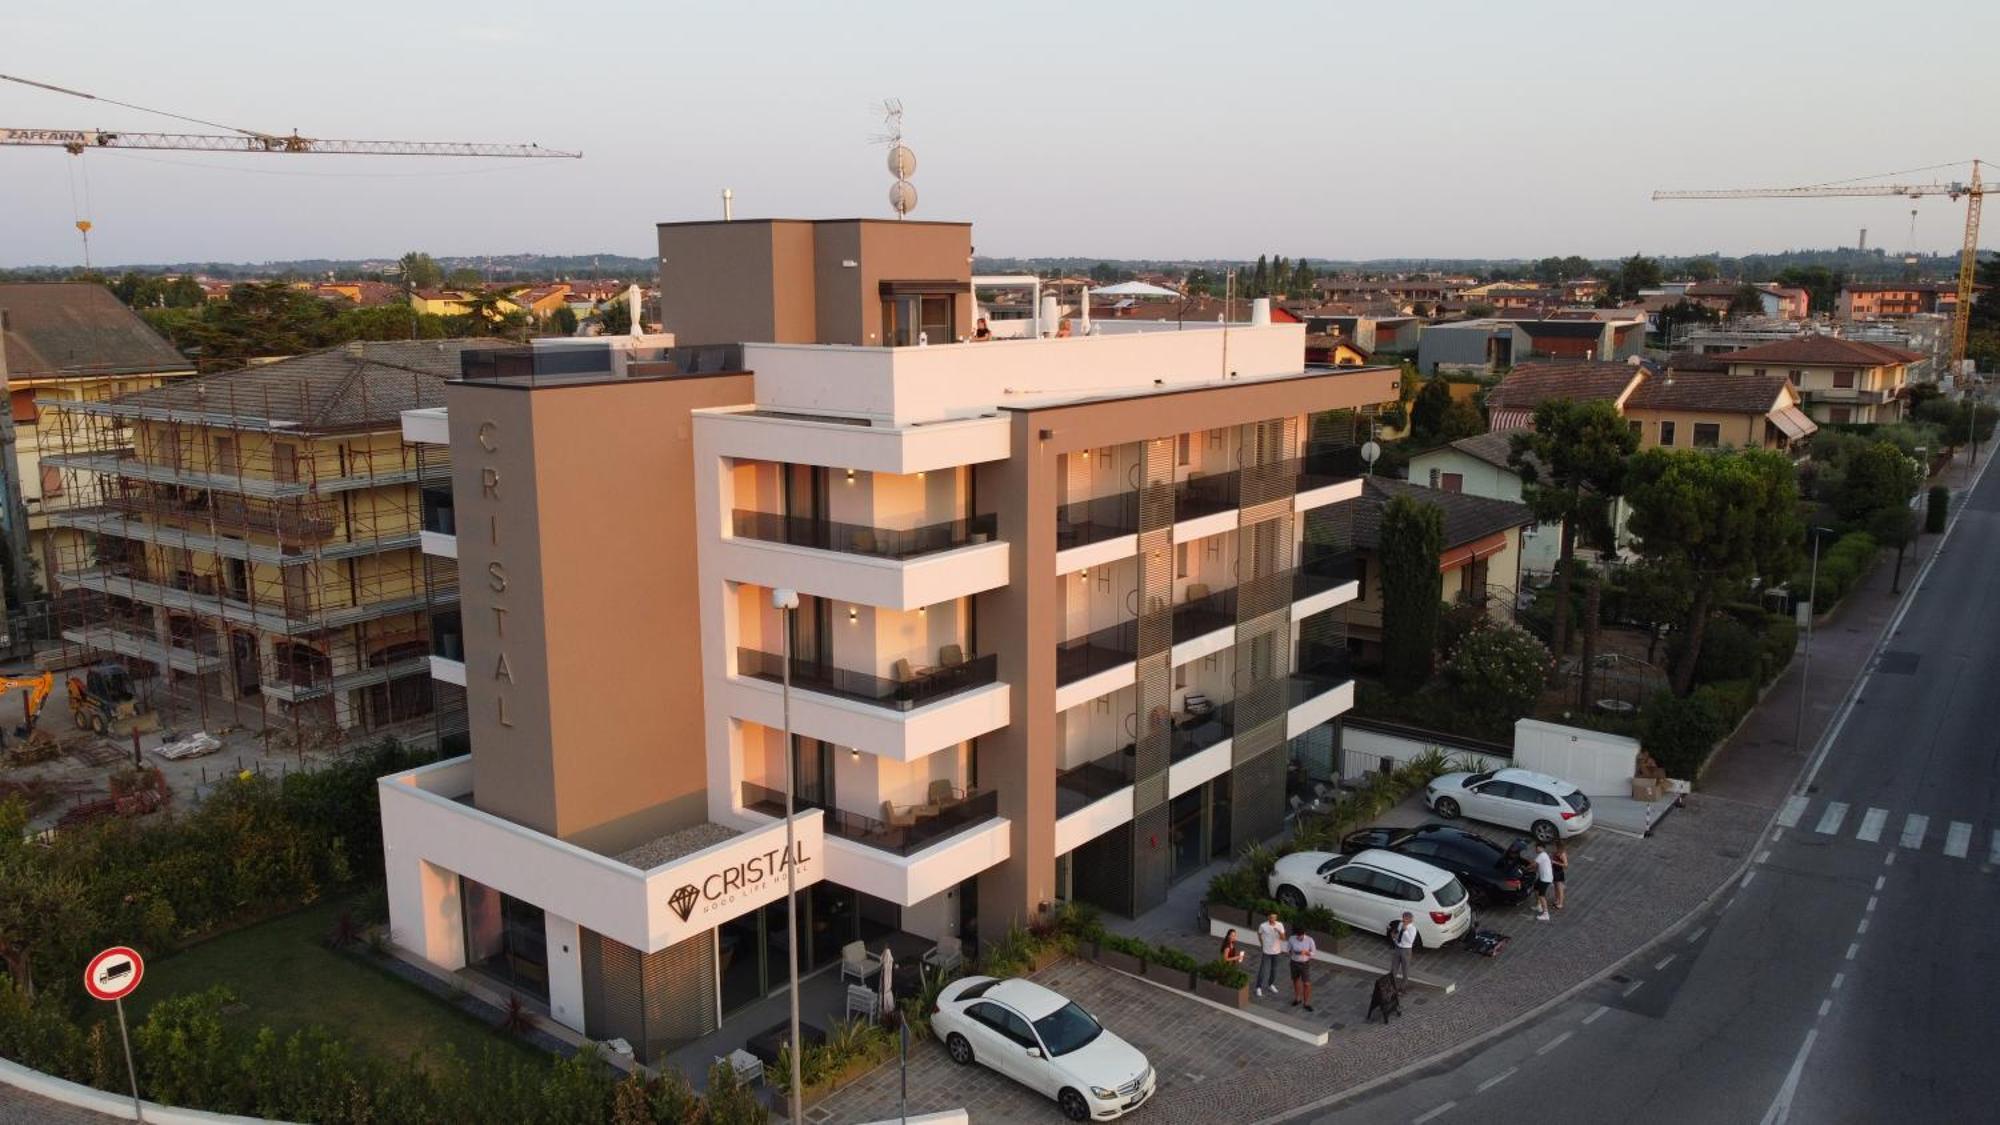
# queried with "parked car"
point(1372, 889)
point(1044, 1041)
point(1491, 873)
point(1543, 806)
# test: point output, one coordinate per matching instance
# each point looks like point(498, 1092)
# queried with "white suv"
point(1543, 806)
point(1372, 889)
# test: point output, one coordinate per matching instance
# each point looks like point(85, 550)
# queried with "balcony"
point(861, 539)
point(1086, 656)
point(1321, 686)
point(930, 823)
point(439, 534)
point(1195, 733)
point(1084, 522)
point(1844, 395)
point(1208, 494)
point(1091, 782)
point(861, 687)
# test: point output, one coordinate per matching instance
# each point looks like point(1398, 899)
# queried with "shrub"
point(1936, 509)
point(1729, 649)
point(1499, 672)
point(1130, 946)
point(1680, 733)
point(1224, 974)
point(1780, 639)
point(1733, 699)
point(1168, 957)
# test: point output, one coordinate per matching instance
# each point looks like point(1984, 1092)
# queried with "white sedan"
point(1546, 807)
point(1045, 1042)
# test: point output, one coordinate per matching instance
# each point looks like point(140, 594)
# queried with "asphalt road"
point(1852, 974)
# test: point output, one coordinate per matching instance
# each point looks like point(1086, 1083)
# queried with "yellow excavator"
point(102, 700)
point(38, 689)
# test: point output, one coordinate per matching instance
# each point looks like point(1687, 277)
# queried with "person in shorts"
point(1545, 877)
point(1559, 861)
point(1301, 948)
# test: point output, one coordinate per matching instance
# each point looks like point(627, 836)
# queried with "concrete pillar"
point(565, 955)
point(346, 709)
point(426, 915)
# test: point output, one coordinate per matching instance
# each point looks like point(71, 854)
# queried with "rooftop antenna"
point(728, 205)
point(902, 162)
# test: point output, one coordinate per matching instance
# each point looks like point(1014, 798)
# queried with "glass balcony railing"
point(922, 686)
point(1088, 655)
point(861, 539)
point(439, 515)
point(447, 635)
point(1195, 733)
point(1084, 522)
point(902, 830)
point(1321, 668)
point(1095, 780)
point(1210, 493)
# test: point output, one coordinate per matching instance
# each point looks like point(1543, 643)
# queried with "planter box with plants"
point(1126, 954)
point(1170, 967)
point(1223, 983)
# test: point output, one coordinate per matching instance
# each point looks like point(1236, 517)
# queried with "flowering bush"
point(1499, 671)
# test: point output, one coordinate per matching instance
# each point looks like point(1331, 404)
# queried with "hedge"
point(1936, 509)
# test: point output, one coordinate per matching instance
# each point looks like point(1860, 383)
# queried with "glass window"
point(1843, 378)
point(1666, 433)
point(1453, 482)
point(505, 939)
point(1451, 894)
point(1066, 1029)
point(1707, 435)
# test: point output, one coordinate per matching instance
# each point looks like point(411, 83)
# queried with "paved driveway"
point(1202, 1056)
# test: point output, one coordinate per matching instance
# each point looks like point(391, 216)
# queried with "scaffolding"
point(248, 545)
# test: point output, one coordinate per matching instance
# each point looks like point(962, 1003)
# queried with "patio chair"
point(863, 1001)
point(864, 543)
point(856, 964)
point(748, 1067)
point(951, 656)
point(944, 794)
point(947, 956)
point(1197, 591)
point(907, 818)
point(901, 671)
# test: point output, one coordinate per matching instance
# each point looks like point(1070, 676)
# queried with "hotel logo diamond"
point(683, 900)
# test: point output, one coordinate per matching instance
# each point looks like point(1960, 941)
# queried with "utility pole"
point(14, 519)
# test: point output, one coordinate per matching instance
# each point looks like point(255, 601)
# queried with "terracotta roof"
point(1531, 384)
point(1330, 342)
point(1467, 518)
point(1494, 447)
point(1710, 390)
point(79, 328)
point(1698, 361)
point(359, 386)
point(1824, 349)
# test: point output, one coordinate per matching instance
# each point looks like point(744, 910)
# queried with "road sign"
point(114, 973)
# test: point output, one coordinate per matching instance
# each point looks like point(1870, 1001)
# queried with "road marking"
point(1913, 830)
point(1436, 1111)
point(1889, 860)
point(1664, 962)
point(1852, 949)
point(1763, 855)
point(1496, 1079)
point(1554, 1043)
point(1795, 807)
point(1633, 987)
point(1880, 880)
point(1871, 825)
point(1781, 1106)
point(1871, 904)
point(1993, 857)
point(1825, 1006)
point(1696, 936)
point(1862, 928)
point(1957, 839)
point(1838, 980)
point(1829, 821)
point(1595, 1016)
point(1730, 903)
point(1747, 878)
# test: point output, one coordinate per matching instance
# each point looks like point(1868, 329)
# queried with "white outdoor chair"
point(863, 1001)
point(856, 964)
point(947, 956)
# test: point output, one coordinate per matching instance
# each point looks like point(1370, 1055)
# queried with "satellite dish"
point(902, 162)
point(1370, 451)
point(903, 197)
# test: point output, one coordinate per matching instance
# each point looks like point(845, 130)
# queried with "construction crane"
point(1972, 191)
point(79, 141)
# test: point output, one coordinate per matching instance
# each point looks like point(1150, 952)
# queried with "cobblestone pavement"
point(1202, 1056)
point(18, 1107)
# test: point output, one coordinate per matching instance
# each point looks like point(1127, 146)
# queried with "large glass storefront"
point(751, 948)
point(505, 939)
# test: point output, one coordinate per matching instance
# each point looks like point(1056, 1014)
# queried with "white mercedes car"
point(1044, 1041)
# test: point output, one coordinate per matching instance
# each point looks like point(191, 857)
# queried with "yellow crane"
point(1973, 191)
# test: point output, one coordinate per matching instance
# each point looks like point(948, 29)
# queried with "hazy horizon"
point(1312, 131)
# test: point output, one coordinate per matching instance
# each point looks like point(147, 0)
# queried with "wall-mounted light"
point(920, 474)
point(1084, 574)
point(850, 476)
point(853, 615)
point(1086, 454)
point(853, 755)
point(923, 609)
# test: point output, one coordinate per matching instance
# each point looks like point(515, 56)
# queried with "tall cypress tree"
point(1410, 539)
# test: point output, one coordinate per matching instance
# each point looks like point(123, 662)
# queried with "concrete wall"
point(1602, 765)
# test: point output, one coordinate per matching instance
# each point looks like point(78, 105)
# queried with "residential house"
point(1480, 559)
point(1511, 404)
point(1334, 351)
point(438, 302)
point(69, 342)
point(541, 301)
point(1872, 299)
point(1690, 409)
point(1495, 343)
point(1839, 380)
point(1481, 465)
point(1376, 335)
point(366, 294)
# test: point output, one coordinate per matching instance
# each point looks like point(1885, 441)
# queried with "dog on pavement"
point(1387, 999)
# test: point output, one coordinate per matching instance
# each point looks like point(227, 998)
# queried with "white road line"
point(1496, 1080)
point(1825, 1006)
point(1696, 935)
point(1913, 830)
point(1880, 880)
point(1838, 980)
point(1871, 904)
point(1633, 987)
point(1795, 807)
point(1958, 839)
point(1852, 949)
point(1554, 1043)
point(1595, 1016)
point(1781, 1106)
point(1993, 857)
point(1663, 962)
point(1829, 821)
point(1862, 928)
point(1747, 878)
point(1777, 835)
point(1763, 855)
point(1730, 903)
point(1889, 860)
point(1871, 825)
point(1436, 1111)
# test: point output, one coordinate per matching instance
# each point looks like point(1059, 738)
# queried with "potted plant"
point(1170, 967)
point(1325, 928)
point(1126, 954)
point(1223, 983)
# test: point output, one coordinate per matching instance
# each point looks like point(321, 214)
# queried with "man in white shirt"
point(1403, 941)
point(1545, 877)
point(1270, 939)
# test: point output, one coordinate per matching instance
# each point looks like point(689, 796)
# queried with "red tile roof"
point(1824, 349)
point(1710, 390)
point(1531, 384)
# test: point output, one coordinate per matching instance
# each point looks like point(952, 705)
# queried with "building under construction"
point(250, 541)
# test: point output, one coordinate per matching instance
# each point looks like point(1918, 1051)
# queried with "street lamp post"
point(786, 602)
point(1805, 670)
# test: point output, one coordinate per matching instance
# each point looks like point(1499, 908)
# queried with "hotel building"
point(1068, 624)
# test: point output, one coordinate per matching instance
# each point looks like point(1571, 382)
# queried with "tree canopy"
point(1572, 463)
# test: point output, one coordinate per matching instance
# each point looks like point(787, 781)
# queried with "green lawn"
point(289, 979)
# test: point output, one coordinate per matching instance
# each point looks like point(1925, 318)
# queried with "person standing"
point(1559, 863)
point(1402, 939)
point(1301, 946)
point(1545, 877)
point(1231, 953)
point(1270, 939)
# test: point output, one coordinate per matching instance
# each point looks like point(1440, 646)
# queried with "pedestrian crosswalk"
point(1868, 825)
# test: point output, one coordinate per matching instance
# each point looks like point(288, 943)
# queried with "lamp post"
point(1805, 670)
point(786, 602)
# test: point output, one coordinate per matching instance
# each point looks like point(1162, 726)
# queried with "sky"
point(1141, 129)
